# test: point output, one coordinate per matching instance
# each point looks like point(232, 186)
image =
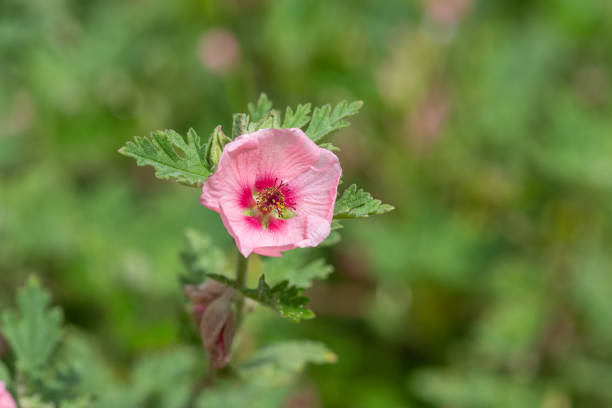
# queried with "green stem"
point(241, 273)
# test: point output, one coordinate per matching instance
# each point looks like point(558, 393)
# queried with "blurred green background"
point(488, 124)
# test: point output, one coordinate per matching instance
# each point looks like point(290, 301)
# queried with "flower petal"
point(317, 187)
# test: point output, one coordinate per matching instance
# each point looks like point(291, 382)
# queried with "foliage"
point(186, 161)
point(299, 118)
point(280, 362)
point(325, 120)
point(5, 375)
point(33, 331)
point(203, 260)
point(214, 147)
point(296, 269)
point(264, 105)
point(255, 396)
point(240, 124)
point(163, 379)
point(358, 204)
point(285, 299)
point(268, 375)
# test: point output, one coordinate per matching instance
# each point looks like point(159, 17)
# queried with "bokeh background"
point(488, 124)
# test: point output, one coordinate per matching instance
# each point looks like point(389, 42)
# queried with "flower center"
point(274, 202)
point(271, 199)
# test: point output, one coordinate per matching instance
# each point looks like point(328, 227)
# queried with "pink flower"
point(275, 190)
point(6, 401)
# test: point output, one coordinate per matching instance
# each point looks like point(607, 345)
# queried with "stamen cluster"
point(271, 199)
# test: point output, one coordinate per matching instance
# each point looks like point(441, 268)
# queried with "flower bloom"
point(6, 401)
point(275, 190)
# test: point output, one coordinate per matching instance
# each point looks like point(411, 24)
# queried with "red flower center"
point(268, 204)
point(271, 199)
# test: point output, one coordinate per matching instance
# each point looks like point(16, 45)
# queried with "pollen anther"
point(271, 199)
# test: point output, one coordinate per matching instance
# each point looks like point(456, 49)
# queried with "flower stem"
point(241, 273)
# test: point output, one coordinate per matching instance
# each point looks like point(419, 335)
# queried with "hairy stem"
point(241, 273)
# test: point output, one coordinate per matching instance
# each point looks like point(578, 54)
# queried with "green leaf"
point(240, 124)
point(359, 204)
point(324, 120)
point(285, 299)
point(298, 119)
point(87, 362)
point(201, 258)
point(171, 156)
point(280, 363)
point(5, 375)
point(241, 395)
point(166, 377)
point(34, 330)
point(214, 147)
point(34, 401)
point(80, 402)
point(268, 121)
point(467, 388)
point(294, 268)
point(264, 105)
point(162, 379)
point(330, 146)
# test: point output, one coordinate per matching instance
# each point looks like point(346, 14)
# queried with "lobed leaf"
point(203, 260)
point(325, 120)
point(285, 299)
point(165, 377)
point(171, 156)
point(280, 363)
point(264, 105)
point(356, 203)
point(34, 330)
point(294, 268)
point(269, 120)
point(240, 395)
point(300, 118)
point(200, 257)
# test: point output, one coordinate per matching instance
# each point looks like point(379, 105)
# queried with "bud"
point(217, 327)
point(215, 146)
point(213, 311)
point(6, 401)
point(201, 296)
